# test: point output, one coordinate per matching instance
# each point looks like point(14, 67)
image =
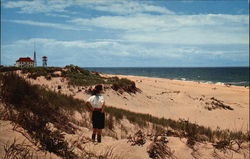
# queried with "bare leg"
point(99, 135)
point(95, 131)
point(99, 131)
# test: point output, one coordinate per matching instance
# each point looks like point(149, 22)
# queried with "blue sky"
point(125, 33)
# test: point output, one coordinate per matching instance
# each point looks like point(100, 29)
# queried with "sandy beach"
point(212, 105)
point(187, 100)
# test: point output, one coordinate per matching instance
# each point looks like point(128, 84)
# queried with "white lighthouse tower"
point(44, 61)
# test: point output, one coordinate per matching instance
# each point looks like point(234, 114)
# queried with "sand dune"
point(206, 104)
point(120, 149)
point(216, 106)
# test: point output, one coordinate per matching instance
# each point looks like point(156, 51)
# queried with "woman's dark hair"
point(98, 88)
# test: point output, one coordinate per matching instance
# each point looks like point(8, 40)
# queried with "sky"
point(126, 33)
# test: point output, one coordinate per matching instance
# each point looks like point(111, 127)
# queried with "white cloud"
point(147, 27)
point(64, 52)
point(108, 52)
point(145, 22)
point(52, 25)
point(183, 29)
point(189, 36)
point(39, 6)
point(57, 15)
point(66, 44)
point(131, 23)
point(131, 7)
point(113, 6)
point(138, 32)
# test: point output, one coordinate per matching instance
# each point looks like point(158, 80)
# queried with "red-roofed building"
point(25, 62)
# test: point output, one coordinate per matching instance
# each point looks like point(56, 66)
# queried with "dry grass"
point(32, 108)
point(139, 138)
point(182, 128)
point(159, 149)
point(108, 153)
point(16, 150)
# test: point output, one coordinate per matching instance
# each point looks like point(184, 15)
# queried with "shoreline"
point(188, 100)
point(236, 77)
point(178, 80)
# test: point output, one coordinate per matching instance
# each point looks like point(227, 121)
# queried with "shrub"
point(139, 138)
point(34, 72)
point(80, 77)
point(124, 84)
point(160, 150)
point(8, 69)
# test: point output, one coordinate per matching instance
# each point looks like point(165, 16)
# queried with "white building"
point(25, 62)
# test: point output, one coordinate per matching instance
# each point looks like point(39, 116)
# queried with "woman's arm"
point(103, 105)
point(89, 106)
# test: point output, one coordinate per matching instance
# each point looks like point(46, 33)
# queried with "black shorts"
point(98, 119)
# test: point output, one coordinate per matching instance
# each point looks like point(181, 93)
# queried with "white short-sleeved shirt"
point(96, 101)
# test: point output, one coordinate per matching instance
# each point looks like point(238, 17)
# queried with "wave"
point(237, 83)
point(183, 79)
point(219, 76)
point(220, 83)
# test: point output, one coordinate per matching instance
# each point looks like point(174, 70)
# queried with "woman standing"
point(96, 104)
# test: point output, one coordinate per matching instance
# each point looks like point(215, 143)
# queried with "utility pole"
point(0, 55)
point(1, 36)
point(35, 64)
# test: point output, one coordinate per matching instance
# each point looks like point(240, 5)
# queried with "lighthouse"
point(44, 61)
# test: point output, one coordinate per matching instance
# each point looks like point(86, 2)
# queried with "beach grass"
point(33, 108)
point(187, 129)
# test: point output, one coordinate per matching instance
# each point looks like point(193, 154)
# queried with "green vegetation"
point(80, 77)
point(77, 77)
point(8, 69)
point(125, 84)
point(47, 72)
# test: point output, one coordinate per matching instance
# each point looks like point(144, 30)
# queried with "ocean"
point(238, 76)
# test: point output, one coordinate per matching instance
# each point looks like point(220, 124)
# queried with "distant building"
point(25, 62)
